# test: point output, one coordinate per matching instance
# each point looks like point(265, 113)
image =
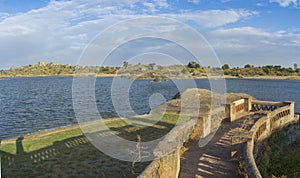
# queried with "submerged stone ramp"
point(214, 159)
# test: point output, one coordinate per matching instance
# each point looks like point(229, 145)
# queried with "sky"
point(256, 32)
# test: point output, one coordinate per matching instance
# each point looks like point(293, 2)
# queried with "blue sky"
point(240, 32)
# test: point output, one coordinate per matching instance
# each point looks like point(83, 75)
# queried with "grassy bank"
point(281, 155)
point(66, 152)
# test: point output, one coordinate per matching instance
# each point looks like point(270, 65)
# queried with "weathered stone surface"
point(164, 167)
point(196, 102)
point(241, 138)
point(175, 139)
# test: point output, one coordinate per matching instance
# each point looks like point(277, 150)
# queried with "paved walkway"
point(214, 160)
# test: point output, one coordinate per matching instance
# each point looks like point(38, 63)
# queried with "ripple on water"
point(28, 105)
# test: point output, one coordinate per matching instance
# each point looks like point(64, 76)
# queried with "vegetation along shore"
point(153, 71)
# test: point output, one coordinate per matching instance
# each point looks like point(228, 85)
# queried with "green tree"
point(247, 66)
point(193, 64)
point(125, 64)
point(225, 67)
point(295, 67)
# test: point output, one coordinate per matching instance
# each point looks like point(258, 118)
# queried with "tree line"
point(149, 70)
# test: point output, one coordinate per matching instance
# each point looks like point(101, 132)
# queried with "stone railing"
point(235, 108)
point(279, 114)
point(257, 105)
point(263, 128)
point(168, 150)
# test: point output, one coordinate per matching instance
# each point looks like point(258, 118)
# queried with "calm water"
point(32, 104)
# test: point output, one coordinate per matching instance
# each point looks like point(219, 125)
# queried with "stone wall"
point(165, 167)
point(168, 151)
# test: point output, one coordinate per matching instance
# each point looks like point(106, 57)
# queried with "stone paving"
point(215, 159)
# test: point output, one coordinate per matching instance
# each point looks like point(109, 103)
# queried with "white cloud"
point(286, 3)
point(155, 5)
point(246, 35)
point(151, 6)
point(161, 3)
point(215, 18)
point(255, 46)
point(194, 1)
point(259, 4)
point(58, 31)
point(241, 31)
point(3, 15)
point(281, 32)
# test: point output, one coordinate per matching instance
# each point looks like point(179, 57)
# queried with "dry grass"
point(67, 152)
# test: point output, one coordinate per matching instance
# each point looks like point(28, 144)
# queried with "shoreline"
point(194, 77)
point(64, 75)
point(275, 77)
point(43, 133)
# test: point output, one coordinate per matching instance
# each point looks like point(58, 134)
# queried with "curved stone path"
point(214, 159)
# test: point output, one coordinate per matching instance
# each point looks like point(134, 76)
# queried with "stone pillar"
point(268, 126)
point(206, 125)
point(248, 104)
point(227, 111)
point(232, 112)
point(292, 107)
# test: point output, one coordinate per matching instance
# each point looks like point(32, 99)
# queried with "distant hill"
point(153, 71)
point(54, 69)
point(261, 71)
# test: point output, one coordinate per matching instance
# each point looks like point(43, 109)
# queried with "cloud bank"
point(61, 30)
point(286, 3)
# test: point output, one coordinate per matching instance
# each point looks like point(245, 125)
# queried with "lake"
point(29, 105)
